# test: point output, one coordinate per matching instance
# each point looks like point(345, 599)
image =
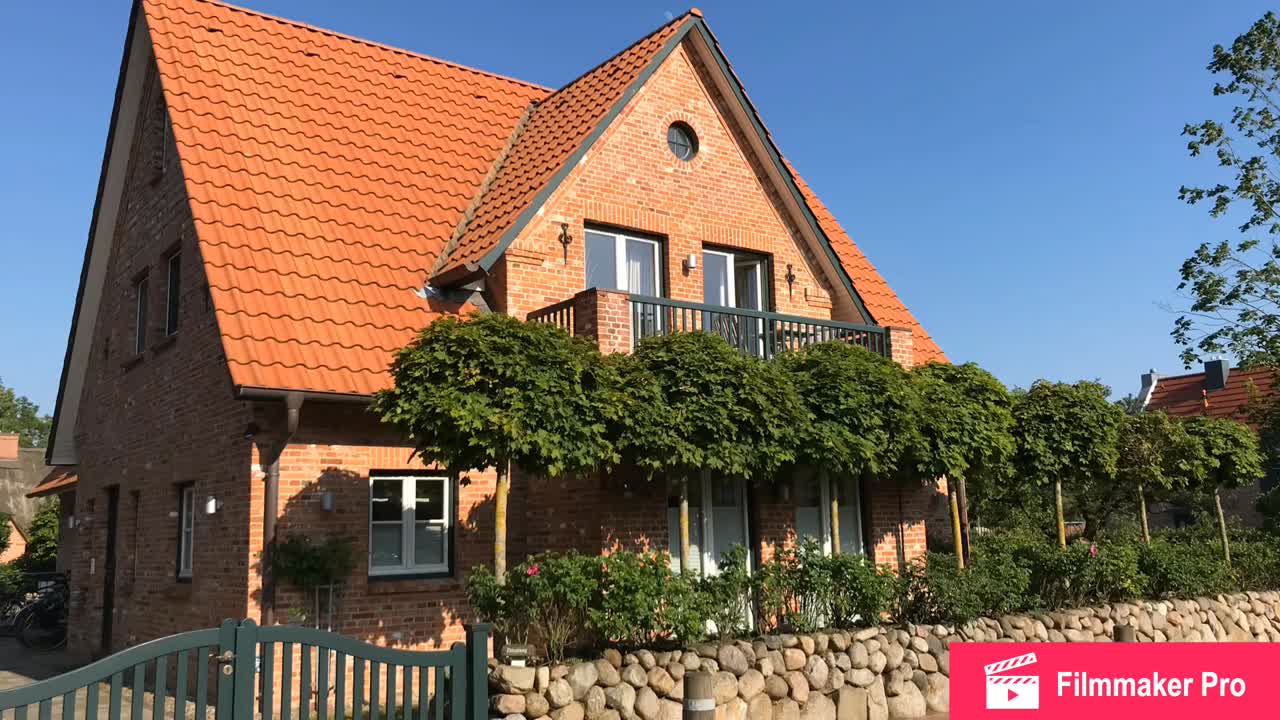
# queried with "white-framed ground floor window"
point(410, 524)
point(717, 521)
point(813, 511)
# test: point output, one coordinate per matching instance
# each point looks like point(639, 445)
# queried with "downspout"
point(271, 506)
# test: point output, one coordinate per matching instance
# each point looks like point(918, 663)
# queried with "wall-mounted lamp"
point(565, 239)
point(783, 492)
point(212, 505)
point(690, 263)
point(326, 501)
point(71, 522)
point(791, 279)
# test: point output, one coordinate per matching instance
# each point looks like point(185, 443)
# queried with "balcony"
point(620, 320)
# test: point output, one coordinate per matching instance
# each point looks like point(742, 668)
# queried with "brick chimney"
point(8, 447)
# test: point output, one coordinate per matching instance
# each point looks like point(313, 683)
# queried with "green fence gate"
point(240, 671)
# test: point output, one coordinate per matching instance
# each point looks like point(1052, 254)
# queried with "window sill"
point(164, 344)
point(408, 582)
point(133, 362)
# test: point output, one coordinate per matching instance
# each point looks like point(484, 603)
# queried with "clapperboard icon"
point(1012, 692)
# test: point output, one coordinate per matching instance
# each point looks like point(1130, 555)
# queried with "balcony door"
point(734, 280)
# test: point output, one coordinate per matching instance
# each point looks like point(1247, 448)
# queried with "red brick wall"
point(152, 421)
point(17, 544)
point(629, 179)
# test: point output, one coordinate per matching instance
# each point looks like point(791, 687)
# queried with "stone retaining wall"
point(866, 674)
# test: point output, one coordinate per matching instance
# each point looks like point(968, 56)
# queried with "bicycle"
point(42, 624)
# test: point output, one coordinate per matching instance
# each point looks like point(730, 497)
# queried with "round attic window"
point(682, 141)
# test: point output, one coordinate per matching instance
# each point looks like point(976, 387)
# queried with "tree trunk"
point(684, 523)
point(1062, 521)
point(962, 497)
point(502, 490)
point(953, 494)
point(1222, 528)
point(1142, 514)
point(825, 478)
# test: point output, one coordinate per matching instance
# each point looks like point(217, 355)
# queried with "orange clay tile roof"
point(558, 127)
point(59, 479)
point(1184, 396)
point(328, 175)
point(325, 175)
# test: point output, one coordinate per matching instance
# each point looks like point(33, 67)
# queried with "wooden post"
point(1222, 528)
point(699, 698)
point(500, 494)
point(1142, 514)
point(684, 523)
point(1124, 633)
point(833, 491)
point(953, 496)
point(1062, 523)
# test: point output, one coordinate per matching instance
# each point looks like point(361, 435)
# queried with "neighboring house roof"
point(331, 177)
point(1185, 395)
point(59, 480)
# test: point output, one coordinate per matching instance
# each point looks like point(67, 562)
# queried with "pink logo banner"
point(1097, 681)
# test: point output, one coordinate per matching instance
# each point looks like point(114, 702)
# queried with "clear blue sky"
point(1011, 168)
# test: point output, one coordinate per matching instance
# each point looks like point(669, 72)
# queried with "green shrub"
point(932, 589)
point(860, 591)
point(640, 600)
point(795, 588)
point(544, 600)
point(727, 594)
point(12, 580)
point(1183, 569)
point(309, 564)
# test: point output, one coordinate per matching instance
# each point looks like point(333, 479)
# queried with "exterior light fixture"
point(212, 505)
point(691, 262)
point(326, 501)
point(565, 239)
point(791, 279)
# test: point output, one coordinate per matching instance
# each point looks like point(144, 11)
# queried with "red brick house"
point(1219, 391)
point(283, 207)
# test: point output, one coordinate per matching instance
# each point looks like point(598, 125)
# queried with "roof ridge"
point(1237, 370)
point(370, 43)
point(673, 21)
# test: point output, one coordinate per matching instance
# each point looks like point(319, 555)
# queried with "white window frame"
point(186, 531)
point(824, 512)
point(172, 305)
point(142, 293)
point(408, 524)
point(620, 260)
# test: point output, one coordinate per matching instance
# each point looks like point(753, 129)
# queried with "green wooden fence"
point(240, 671)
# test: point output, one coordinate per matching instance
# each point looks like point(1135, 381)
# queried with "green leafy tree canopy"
point(1226, 454)
point(488, 390)
point(966, 419)
point(864, 411)
point(1234, 287)
point(21, 416)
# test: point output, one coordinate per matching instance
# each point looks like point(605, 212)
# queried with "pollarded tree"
point(492, 391)
point(1155, 459)
point(1226, 455)
point(966, 422)
point(1067, 432)
point(691, 403)
point(864, 414)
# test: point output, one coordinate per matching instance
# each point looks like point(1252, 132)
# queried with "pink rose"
point(533, 570)
point(1093, 551)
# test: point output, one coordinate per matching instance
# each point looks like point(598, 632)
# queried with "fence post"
point(246, 669)
point(1124, 633)
point(699, 697)
point(477, 672)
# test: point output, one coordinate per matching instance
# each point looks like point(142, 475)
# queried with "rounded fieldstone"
point(621, 697)
point(894, 654)
point(661, 681)
point(866, 634)
point(793, 658)
point(518, 680)
point(582, 677)
point(821, 641)
point(559, 671)
point(732, 659)
point(634, 675)
point(858, 655)
point(877, 662)
point(613, 657)
point(819, 707)
point(677, 691)
point(748, 650)
point(630, 659)
point(735, 709)
point(840, 640)
point(807, 644)
point(816, 672)
point(690, 660)
point(937, 693)
point(709, 665)
point(541, 679)
point(789, 640)
point(928, 663)
point(646, 704)
point(862, 677)
point(647, 661)
point(851, 704)
point(775, 687)
point(787, 709)
point(508, 704)
point(919, 644)
point(610, 715)
point(676, 671)
point(670, 710)
point(536, 705)
point(514, 716)
point(607, 674)
point(594, 702)
point(765, 666)
point(760, 708)
point(907, 704)
point(799, 686)
point(559, 694)
point(724, 686)
point(572, 711)
point(750, 684)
